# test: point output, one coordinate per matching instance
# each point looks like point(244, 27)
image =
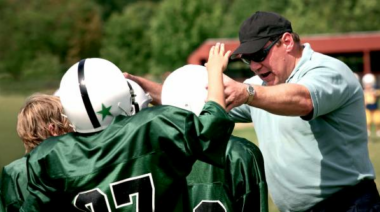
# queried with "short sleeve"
point(329, 89)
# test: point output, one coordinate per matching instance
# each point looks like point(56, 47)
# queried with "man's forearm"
point(284, 99)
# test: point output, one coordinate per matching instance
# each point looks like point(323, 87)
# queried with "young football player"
point(117, 159)
point(39, 118)
point(240, 185)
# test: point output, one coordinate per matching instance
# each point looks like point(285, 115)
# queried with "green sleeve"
point(14, 184)
point(240, 186)
point(216, 128)
point(44, 190)
point(246, 176)
point(1, 202)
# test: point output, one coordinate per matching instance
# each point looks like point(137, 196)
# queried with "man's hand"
point(153, 88)
point(235, 92)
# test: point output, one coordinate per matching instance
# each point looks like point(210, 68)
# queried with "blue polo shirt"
point(306, 161)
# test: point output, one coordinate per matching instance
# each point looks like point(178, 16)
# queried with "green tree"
point(179, 27)
point(126, 41)
point(67, 30)
point(240, 10)
point(339, 16)
point(110, 7)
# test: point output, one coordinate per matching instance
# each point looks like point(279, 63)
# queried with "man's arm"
point(217, 63)
point(284, 99)
point(153, 88)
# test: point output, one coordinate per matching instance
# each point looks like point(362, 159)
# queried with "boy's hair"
point(38, 113)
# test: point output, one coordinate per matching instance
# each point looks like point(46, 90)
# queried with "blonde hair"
point(38, 113)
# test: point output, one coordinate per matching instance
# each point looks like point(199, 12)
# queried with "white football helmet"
point(93, 92)
point(369, 79)
point(56, 93)
point(140, 99)
point(186, 88)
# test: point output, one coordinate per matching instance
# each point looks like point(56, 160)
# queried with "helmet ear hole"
point(91, 92)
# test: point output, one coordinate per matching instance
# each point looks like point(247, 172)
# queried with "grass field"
point(12, 148)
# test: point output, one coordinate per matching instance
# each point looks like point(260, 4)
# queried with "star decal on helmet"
point(105, 111)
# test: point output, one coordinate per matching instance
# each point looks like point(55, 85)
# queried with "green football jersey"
point(138, 163)
point(13, 185)
point(2, 209)
point(240, 186)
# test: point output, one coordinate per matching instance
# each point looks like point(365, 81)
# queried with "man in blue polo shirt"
point(309, 117)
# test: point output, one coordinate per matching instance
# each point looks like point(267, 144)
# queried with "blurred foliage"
point(128, 43)
point(43, 38)
point(67, 30)
point(179, 27)
point(240, 10)
point(110, 7)
point(338, 16)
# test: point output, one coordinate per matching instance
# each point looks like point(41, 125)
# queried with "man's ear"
point(288, 41)
point(52, 129)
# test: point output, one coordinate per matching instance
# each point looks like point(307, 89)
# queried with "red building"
point(360, 51)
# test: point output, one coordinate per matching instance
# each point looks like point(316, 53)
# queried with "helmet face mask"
point(186, 88)
point(93, 92)
point(140, 99)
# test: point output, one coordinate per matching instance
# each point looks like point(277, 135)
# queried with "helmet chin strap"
point(133, 98)
point(135, 107)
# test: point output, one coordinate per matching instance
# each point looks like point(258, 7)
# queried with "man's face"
point(275, 68)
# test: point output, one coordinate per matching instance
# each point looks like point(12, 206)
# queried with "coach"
point(309, 117)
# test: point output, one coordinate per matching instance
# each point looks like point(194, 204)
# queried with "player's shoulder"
point(49, 145)
point(239, 145)
point(163, 111)
point(15, 167)
point(169, 109)
point(240, 141)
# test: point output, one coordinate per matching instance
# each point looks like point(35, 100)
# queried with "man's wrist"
point(251, 93)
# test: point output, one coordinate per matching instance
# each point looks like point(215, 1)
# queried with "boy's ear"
point(52, 129)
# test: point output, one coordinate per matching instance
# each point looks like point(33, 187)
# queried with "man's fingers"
point(222, 49)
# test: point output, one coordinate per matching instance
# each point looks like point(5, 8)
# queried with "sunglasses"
point(258, 56)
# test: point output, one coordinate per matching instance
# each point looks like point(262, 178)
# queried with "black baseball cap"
point(256, 31)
